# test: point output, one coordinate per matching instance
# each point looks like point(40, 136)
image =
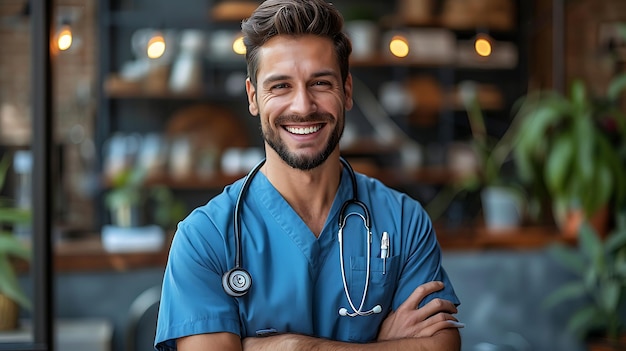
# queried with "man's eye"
point(321, 82)
point(280, 86)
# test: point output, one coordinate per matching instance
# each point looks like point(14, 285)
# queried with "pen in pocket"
point(384, 250)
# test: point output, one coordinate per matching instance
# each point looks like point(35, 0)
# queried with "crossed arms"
point(431, 327)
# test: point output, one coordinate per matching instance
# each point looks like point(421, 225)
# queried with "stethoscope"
point(237, 281)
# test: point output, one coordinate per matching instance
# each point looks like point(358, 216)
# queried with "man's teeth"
point(303, 130)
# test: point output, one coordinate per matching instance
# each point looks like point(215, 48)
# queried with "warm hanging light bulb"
point(238, 46)
point(399, 46)
point(482, 45)
point(64, 38)
point(156, 46)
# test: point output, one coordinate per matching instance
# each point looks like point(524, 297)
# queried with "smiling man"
point(303, 253)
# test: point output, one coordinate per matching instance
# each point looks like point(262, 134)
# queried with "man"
point(305, 284)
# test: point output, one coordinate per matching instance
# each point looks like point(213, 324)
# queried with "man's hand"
point(409, 321)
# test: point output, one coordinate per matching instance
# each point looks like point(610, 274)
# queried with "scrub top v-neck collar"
point(312, 247)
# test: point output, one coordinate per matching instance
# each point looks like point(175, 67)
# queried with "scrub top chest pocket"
point(383, 282)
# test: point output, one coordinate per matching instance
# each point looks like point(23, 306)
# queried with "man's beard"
point(303, 162)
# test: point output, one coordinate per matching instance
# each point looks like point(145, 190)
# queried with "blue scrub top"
point(296, 278)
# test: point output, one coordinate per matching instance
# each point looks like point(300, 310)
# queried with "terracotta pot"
point(9, 312)
point(574, 218)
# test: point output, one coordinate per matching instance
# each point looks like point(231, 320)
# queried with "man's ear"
point(251, 92)
point(347, 88)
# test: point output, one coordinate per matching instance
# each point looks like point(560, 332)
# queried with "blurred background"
point(505, 118)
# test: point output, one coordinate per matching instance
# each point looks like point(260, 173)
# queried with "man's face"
point(300, 99)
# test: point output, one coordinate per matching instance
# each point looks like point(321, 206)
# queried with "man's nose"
point(303, 102)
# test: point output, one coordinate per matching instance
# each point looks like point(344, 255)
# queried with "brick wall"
point(14, 72)
point(585, 58)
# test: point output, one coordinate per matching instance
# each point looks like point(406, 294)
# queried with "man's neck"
point(310, 193)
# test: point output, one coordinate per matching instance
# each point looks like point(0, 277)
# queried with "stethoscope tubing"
point(243, 274)
point(237, 213)
point(358, 311)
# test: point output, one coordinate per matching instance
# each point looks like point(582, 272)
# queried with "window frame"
point(42, 134)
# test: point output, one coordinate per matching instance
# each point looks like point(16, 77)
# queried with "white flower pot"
point(502, 208)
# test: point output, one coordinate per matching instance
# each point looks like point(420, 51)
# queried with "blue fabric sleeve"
point(423, 256)
point(193, 300)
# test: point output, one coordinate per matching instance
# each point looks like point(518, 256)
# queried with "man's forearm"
point(445, 340)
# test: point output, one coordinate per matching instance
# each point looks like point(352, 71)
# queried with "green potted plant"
point(129, 196)
point(11, 293)
point(600, 270)
point(565, 155)
point(502, 196)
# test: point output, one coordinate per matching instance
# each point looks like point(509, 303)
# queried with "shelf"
point(144, 19)
point(117, 88)
point(479, 238)
point(87, 253)
point(382, 61)
point(432, 175)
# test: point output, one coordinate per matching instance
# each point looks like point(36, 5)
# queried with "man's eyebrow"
point(274, 78)
point(325, 73)
point(279, 77)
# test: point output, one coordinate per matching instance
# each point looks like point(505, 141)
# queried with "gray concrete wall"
point(501, 295)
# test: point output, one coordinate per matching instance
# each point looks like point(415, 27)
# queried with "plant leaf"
point(620, 270)
point(585, 320)
point(568, 258)
point(589, 242)
point(585, 144)
point(558, 164)
point(602, 183)
point(523, 161)
point(14, 215)
point(616, 240)
point(578, 95)
point(566, 292)
point(609, 296)
point(540, 115)
point(12, 246)
point(616, 87)
point(591, 276)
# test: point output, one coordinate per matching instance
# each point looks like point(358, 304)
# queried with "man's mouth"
point(303, 130)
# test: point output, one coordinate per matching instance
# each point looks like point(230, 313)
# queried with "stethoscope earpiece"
point(344, 312)
point(236, 282)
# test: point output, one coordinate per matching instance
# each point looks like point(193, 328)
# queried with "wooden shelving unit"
point(88, 254)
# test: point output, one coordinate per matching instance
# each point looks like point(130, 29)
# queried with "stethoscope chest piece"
point(236, 282)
